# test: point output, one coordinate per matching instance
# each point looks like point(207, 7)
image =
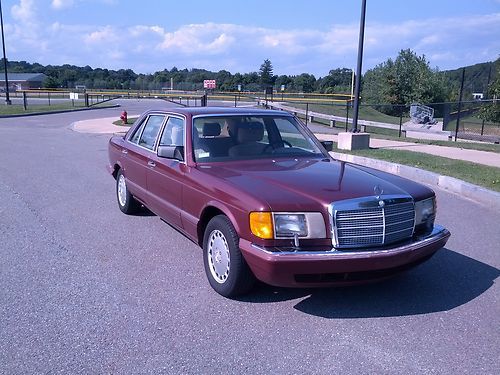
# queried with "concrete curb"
point(465, 189)
point(99, 126)
point(56, 112)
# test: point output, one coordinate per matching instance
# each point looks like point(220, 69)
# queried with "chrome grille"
point(369, 222)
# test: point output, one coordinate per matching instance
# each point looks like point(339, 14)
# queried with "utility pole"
point(357, 89)
point(7, 97)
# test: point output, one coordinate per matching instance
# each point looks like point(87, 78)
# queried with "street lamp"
point(354, 128)
point(7, 98)
point(354, 140)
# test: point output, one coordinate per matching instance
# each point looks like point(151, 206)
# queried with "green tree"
point(224, 81)
point(413, 79)
point(51, 83)
point(337, 80)
point(305, 82)
point(284, 80)
point(266, 73)
point(491, 111)
point(406, 80)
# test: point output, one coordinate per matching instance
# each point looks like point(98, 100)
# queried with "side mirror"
point(171, 152)
point(328, 145)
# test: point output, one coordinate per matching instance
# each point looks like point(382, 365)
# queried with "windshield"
point(227, 138)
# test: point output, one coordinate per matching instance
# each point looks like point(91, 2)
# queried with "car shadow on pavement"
point(143, 211)
point(446, 281)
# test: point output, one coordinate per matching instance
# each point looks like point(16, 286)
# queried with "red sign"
point(209, 84)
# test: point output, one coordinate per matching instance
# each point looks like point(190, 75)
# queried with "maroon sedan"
point(264, 199)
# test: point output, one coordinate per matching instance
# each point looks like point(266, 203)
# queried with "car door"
point(165, 176)
point(139, 153)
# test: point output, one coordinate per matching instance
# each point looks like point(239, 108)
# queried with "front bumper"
point(335, 267)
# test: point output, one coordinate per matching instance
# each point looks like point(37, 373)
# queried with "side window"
point(150, 133)
point(137, 133)
point(173, 134)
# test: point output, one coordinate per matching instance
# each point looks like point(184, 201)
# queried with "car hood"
point(299, 184)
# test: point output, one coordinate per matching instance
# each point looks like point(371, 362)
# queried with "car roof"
point(195, 111)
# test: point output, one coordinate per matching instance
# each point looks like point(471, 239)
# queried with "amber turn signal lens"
point(261, 224)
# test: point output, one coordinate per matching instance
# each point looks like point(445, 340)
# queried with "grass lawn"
point(393, 136)
point(130, 121)
point(488, 177)
point(19, 109)
point(473, 124)
point(365, 112)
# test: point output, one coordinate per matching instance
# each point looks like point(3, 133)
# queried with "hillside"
point(476, 78)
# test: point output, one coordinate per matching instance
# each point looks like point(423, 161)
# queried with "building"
point(22, 81)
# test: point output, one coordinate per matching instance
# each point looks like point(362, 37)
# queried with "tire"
point(226, 269)
point(127, 203)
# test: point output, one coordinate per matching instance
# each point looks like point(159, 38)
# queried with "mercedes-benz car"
point(265, 200)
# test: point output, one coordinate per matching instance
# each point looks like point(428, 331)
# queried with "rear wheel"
point(126, 201)
point(226, 269)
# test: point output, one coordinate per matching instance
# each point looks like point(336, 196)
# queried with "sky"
point(298, 36)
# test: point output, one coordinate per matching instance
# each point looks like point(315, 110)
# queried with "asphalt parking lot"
point(86, 289)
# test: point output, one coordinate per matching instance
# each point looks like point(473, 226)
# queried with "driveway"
point(86, 289)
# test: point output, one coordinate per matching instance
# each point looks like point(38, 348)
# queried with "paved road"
point(86, 289)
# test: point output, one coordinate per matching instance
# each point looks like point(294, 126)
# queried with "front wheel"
point(226, 269)
point(126, 202)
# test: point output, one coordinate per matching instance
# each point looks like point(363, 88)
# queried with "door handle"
point(124, 151)
point(151, 163)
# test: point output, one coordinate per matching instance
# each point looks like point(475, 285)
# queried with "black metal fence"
point(384, 119)
point(55, 100)
point(395, 120)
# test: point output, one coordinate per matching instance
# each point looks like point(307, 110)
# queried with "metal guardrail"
point(310, 115)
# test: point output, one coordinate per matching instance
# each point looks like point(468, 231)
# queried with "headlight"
point(425, 213)
point(277, 225)
point(289, 225)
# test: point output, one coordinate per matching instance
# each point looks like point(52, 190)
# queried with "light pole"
point(7, 98)
point(354, 128)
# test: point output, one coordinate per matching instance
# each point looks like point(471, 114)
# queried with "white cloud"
point(291, 42)
point(104, 35)
point(25, 29)
point(24, 12)
point(200, 38)
point(60, 4)
point(140, 30)
point(239, 48)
